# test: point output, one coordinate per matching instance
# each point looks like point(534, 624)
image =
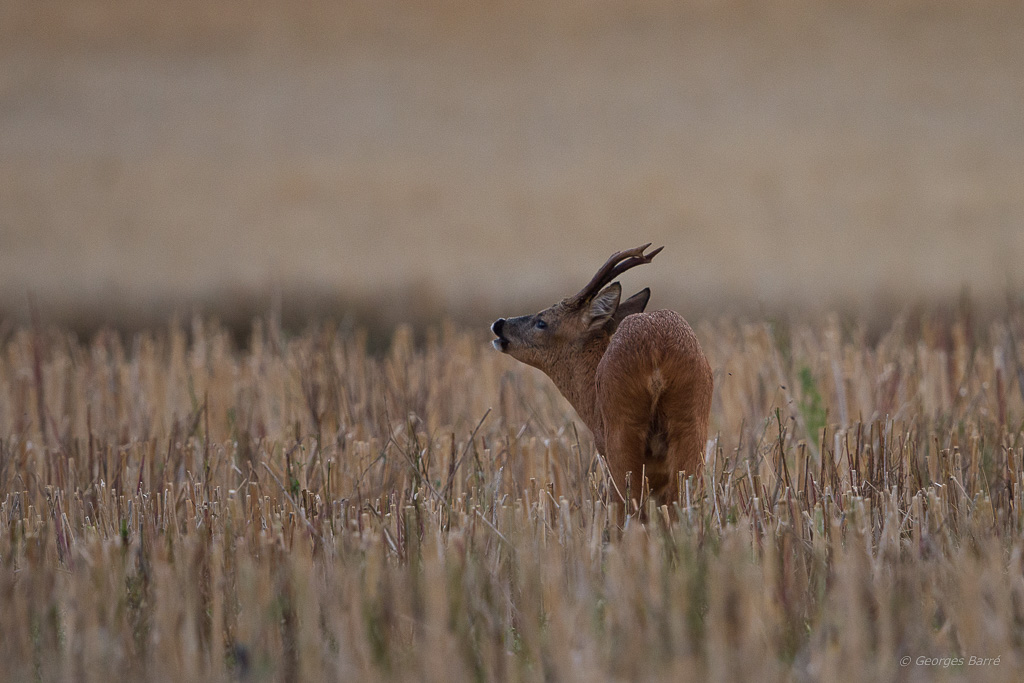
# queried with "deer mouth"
point(501, 344)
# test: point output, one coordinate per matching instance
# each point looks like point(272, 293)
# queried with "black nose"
point(497, 326)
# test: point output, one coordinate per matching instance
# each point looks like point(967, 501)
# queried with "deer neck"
point(575, 376)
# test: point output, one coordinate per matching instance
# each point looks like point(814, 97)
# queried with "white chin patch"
point(498, 344)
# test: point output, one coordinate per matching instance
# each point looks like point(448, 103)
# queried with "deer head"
point(558, 334)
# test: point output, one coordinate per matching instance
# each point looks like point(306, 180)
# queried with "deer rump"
point(653, 386)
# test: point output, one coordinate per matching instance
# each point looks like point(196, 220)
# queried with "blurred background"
point(403, 160)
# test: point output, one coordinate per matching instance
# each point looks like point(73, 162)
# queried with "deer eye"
point(540, 325)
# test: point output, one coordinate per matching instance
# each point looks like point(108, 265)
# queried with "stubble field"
point(277, 497)
point(177, 508)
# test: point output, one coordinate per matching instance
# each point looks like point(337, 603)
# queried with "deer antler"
point(617, 264)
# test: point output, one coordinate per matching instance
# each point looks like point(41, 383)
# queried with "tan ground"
point(791, 154)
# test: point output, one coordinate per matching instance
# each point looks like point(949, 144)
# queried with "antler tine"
point(616, 265)
point(631, 263)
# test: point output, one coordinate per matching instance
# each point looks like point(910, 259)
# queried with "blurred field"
point(161, 155)
point(172, 508)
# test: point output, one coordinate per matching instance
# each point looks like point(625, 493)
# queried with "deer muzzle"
point(501, 344)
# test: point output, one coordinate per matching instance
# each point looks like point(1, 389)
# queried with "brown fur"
point(654, 387)
point(639, 381)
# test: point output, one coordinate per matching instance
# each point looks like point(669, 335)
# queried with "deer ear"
point(634, 304)
point(604, 305)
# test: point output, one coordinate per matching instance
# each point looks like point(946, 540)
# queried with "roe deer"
point(639, 381)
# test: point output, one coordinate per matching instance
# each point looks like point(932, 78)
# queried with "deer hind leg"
point(627, 448)
point(625, 444)
point(685, 453)
point(687, 438)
